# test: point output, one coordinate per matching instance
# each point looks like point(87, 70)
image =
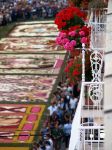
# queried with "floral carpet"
point(34, 30)
point(18, 122)
point(16, 88)
point(30, 45)
point(37, 22)
point(30, 64)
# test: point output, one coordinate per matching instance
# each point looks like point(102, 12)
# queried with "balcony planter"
point(73, 33)
point(73, 68)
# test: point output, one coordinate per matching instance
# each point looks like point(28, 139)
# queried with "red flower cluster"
point(73, 32)
point(69, 17)
point(86, 30)
point(74, 67)
point(74, 38)
point(73, 70)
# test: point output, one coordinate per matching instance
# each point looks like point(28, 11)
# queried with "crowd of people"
point(56, 130)
point(14, 10)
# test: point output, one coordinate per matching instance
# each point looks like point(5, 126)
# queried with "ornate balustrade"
point(88, 125)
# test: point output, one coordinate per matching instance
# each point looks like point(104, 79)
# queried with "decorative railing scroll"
point(98, 31)
point(96, 59)
point(96, 90)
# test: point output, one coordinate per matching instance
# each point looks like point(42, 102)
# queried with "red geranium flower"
point(76, 72)
point(68, 17)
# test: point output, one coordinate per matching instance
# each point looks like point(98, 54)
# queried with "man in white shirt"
point(47, 145)
point(52, 108)
point(48, 138)
point(73, 103)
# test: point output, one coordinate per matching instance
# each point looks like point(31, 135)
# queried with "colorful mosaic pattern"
point(14, 148)
point(29, 63)
point(28, 58)
point(35, 22)
point(19, 122)
point(34, 30)
point(30, 45)
point(25, 88)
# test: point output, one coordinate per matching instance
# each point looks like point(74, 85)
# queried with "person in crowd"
point(49, 138)
point(76, 91)
point(4, 21)
point(36, 146)
point(18, 10)
point(56, 130)
point(47, 145)
point(1, 17)
point(57, 134)
point(73, 103)
point(52, 108)
point(67, 132)
point(45, 130)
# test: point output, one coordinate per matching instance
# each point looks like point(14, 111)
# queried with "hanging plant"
point(73, 33)
point(74, 38)
point(70, 17)
point(73, 68)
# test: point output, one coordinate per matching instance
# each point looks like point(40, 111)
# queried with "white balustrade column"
point(83, 62)
point(108, 81)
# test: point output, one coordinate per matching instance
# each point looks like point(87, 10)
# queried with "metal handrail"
point(75, 132)
point(77, 127)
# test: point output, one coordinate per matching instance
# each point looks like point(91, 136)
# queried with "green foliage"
point(4, 30)
point(76, 2)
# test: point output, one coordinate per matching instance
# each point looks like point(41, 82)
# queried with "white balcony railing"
point(97, 22)
point(75, 132)
point(87, 127)
point(92, 138)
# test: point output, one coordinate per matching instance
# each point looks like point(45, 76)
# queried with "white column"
point(108, 81)
point(83, 62)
